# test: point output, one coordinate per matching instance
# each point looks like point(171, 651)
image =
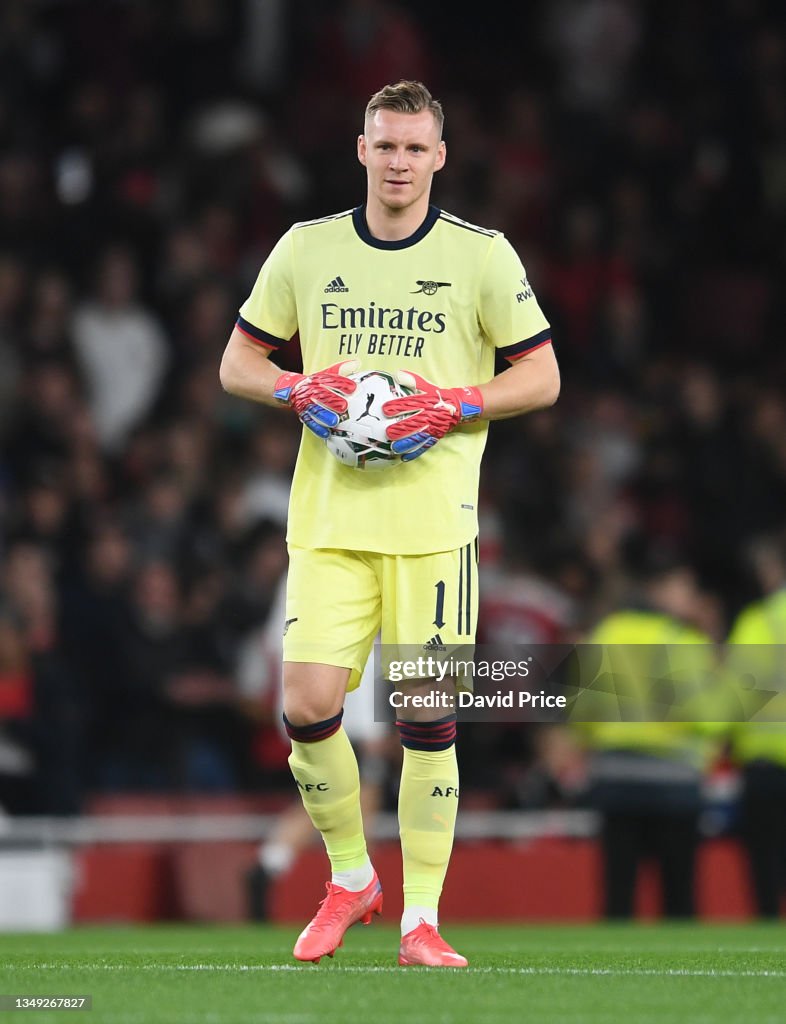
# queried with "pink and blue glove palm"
point(318, 398)
point(428, 415)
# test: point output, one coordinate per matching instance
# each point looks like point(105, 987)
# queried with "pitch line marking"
point(617, 972)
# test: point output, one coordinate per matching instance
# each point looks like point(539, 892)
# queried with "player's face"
point(400, 152)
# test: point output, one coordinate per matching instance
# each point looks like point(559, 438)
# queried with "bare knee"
point(313, 692)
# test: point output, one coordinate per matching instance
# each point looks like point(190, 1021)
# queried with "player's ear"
point(362, 149)
point(442, 154)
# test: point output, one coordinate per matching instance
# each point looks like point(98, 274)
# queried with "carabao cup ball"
point(359, 440)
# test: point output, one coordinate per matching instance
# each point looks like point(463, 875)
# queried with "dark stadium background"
point(151, 154)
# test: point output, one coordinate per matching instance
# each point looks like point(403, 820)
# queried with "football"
point(359, 440)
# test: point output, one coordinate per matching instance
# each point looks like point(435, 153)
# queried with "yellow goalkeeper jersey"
point(438, 303)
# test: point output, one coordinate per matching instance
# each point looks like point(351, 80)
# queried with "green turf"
point(597, 974)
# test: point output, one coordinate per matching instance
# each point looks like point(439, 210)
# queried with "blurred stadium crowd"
point(151, 154)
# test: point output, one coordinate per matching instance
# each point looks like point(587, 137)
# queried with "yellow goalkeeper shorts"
point(337, 602)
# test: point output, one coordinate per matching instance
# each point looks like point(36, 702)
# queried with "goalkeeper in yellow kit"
point(399, 285)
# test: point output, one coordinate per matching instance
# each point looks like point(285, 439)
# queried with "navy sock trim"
point(317, 731)
point(437, 735)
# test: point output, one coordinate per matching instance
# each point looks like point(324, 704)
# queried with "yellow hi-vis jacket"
point(656, 697)
point(756, 655)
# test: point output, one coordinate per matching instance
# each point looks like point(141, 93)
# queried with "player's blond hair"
point(406, 97)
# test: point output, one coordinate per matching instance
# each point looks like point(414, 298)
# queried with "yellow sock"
point(427, 807)
point(326, 772)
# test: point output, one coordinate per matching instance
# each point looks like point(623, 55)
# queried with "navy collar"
point(359, 220)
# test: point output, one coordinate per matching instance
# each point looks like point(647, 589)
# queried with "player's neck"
point(391, 225)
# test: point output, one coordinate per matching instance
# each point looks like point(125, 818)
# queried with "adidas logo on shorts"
point(434, 644)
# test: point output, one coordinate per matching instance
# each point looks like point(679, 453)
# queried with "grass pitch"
point(595, 974)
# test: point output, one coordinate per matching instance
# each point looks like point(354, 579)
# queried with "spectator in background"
point(142, 744)
point(175, 721)
point(94, 609)
point(86, 477)
point(647, 760)
point(183, 262)
point(362, 44)
point(578, 278)
point(53, 730)
point(206, 704)
point(12, 282)
point(39, 438)
point(47, 331)
point(121, 350)
point(9, 385)
point(521, 602)
point(44, 519)
point(24, 208)
point(187, 452)
point(273, 448)
point(522, 171)
point(256, 573)
point(159, 525)
point(759, 746)
point(594, 42)
point(204, 309)
point(221, 527)
point(371, 41)
point(17, 761)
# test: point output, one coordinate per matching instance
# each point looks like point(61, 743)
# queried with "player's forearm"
point(531, 383)
point(247, 372)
